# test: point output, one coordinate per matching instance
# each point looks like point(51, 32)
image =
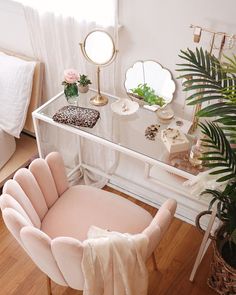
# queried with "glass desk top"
point(125, 131)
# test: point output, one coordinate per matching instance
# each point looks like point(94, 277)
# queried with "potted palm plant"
point(215, 84)
point(83, 83)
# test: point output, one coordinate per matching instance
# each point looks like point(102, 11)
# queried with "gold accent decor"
point(213, 32)
point(98, 100)
point(199, 30)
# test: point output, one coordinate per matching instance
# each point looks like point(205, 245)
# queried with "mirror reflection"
point(150, 83)
point(99, 47)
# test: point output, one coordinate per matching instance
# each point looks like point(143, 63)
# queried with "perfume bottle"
point(196, 154)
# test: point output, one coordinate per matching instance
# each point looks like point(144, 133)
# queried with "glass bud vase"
point(71, 93)
point(73, 100)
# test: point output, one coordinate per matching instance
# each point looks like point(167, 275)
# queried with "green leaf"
point(205, 68)
point(197, 80)
point(222, 171)
point(210, 81)
point(194, 95)
point(233, 236)
point(222, 155)
point(202, 57)
point(202, 86)
point(204, 99)
point(212, 158)
point(147, 93)
point(225, 178)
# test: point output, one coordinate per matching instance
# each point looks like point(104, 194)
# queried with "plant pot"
point(222, 277)
point(83, 89)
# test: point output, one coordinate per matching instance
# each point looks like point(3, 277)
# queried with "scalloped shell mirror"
point(149, 83)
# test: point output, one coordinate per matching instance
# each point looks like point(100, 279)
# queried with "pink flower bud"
point(71, 76)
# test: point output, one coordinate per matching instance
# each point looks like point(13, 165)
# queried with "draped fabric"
point(56, 28)
point(55, 37)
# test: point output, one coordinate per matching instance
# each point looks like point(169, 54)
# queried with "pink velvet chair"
point(50, 220)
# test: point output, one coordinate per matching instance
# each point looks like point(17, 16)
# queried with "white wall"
point(152, 29)
point(157, 29)
point(13, 29)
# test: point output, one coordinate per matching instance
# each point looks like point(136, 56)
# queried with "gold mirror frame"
point(98, 100)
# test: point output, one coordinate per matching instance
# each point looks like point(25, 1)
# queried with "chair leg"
point(154, 261)
point(49, 286)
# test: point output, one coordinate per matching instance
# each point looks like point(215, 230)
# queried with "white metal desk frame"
point(115, 146)
point(204, 244)
point(147, 160)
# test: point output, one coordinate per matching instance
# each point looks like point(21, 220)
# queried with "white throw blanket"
point(114, 263)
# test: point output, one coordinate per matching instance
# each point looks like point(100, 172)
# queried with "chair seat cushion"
point(82, 206)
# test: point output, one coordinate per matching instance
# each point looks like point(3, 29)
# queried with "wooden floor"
point(175, 257)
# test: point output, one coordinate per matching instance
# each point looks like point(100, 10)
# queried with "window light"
point(101, 12)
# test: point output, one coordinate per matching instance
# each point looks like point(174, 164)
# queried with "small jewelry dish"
point(124, 107)
point(165, 115)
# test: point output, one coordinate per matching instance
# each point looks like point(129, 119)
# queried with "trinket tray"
point(174, 140)
point(124, 107)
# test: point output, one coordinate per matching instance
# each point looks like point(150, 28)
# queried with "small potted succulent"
point(83, 83)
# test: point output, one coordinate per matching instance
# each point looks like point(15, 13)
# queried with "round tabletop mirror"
point(149, 83)
point(99, 47)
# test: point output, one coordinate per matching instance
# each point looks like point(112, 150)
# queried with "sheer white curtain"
point(56, 28)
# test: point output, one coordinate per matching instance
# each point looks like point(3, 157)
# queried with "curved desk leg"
point(204, 245)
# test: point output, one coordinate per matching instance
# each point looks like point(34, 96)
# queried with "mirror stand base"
point(99, 100)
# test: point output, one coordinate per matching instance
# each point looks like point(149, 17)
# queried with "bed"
point(7, 147)
point(7, 132)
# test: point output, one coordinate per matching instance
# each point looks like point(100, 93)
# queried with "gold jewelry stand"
point(212, 43)
point(99, 100)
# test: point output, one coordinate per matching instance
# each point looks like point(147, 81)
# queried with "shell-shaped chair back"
point(27, 199)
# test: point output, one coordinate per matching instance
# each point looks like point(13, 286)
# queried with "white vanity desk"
point(141, 166)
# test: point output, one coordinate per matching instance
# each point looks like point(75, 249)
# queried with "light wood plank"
point(175, 257)
point(26, 150)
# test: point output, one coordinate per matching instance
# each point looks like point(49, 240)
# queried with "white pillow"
point(16, 76)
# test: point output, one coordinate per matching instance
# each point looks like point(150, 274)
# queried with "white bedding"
point(7, 147)
point(16, 77)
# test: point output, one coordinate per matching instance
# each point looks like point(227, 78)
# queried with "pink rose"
point(71, 76)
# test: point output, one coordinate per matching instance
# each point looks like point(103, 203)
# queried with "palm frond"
point(230, 64)
point(219, 154)
point(226, 206)
point(209, 80)
point(218, 109)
